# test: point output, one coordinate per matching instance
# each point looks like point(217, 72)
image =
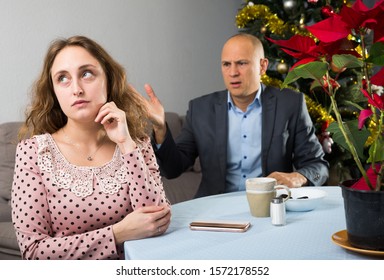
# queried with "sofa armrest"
point(8, 143)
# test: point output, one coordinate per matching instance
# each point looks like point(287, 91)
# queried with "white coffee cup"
point(260, 192)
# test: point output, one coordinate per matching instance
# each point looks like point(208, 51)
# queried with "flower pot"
point(364, 214)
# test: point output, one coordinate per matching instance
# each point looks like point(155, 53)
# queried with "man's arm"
point(171, 160)
point(308, 153)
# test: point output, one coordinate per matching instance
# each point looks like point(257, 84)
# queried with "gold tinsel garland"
point(317, 112)
point(373, 129)
point(271, 21)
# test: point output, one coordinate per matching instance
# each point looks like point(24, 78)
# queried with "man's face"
point(242, 66)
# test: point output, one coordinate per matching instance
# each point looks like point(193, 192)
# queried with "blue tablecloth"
point(307, 235)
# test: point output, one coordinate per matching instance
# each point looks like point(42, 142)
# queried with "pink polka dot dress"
point(64, 211)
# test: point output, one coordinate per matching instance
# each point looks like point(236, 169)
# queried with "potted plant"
point(351, 44)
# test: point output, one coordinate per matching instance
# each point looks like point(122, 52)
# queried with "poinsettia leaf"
point(303, 61)
point(374, 99)
point(376, 151)
point(330, 29)
point(376, 54)
point(294, 53)
point(364, 114)
point(346, 61)
point(358, 136)
point(349, 102)
point(378, 34)
point(354, 15)
point(353, 94)
point(298, 44)
point(313, 70)
point(378, 78)
point(315, 84)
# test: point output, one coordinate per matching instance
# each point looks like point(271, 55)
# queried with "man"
point(248, 130)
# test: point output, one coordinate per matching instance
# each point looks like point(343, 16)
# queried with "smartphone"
point(229, 226)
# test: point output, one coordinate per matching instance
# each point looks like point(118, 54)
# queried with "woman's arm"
point(151, 215)
point(34, 225)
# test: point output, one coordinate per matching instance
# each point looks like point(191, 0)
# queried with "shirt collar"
point(256, 100)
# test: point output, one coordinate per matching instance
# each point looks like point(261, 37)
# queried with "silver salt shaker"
point(278, 211)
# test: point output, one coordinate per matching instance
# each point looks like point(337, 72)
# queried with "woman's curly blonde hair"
point(44, 115)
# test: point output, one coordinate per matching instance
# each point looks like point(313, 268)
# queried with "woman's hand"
point(115, 124)
point(144, 222)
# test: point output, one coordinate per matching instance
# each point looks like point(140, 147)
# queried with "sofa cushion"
point(8, 142)
point(185, 186)
point(174, 122)
point(8, 236)
point(8, 241)
point(5, 212)
point(182, 188)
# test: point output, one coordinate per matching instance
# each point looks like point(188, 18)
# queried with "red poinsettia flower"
point(360, 16)
point(350, 18)
point(333, 83)
point(375, 99)
point(305, 49)
point(364, 114)
point(299, 46)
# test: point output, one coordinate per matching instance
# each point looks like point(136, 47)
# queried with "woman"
point(88, 179)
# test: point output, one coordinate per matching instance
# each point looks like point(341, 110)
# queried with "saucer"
point(303, 199)
point(341, 238)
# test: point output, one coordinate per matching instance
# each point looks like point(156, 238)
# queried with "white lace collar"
point(79, 179)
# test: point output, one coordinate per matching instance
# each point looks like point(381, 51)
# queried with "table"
point(306, 236)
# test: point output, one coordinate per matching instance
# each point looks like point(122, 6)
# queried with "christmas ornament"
point(282, 67)
point(289, 5)
point(326, 142)
point(302, 22)
point(327, 11)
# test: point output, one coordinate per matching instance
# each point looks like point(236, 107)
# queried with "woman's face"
point(79, 83)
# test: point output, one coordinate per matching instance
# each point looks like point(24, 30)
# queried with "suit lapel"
point(268, 100)
point(221, 122)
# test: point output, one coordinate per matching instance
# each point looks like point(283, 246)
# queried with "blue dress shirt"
point(244, 144)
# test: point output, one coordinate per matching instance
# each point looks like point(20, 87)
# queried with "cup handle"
point(286, 188)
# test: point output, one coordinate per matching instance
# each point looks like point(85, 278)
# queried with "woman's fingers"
point(161, 217)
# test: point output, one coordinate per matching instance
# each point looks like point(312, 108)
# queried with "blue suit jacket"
point(289, 142)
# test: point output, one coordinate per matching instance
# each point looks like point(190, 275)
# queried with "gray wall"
point(174, 45)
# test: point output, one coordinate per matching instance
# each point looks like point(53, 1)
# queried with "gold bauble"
point(282, 67)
